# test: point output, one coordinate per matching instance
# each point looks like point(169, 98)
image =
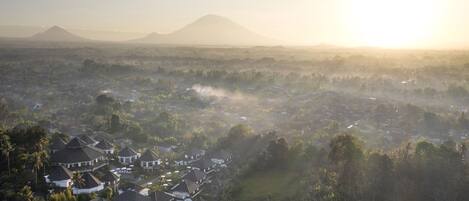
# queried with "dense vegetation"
point(302, 123)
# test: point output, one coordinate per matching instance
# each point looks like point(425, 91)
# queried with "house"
point(79, 157)
point(105, 146)
point(185, 189)
point(196, 176)
point(131, 196)
point(88, 140)
point(89, 184)
point(60, 177)
point(134, 187)
point(161, 196)
point(204, 165)
point(221, 158)
point(56, 144)
point(128, 156)
point(149, 160)
point(111, 180)
point(195, 154)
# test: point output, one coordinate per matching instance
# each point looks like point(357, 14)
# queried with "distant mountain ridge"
point(209, 30)
point(57, 33)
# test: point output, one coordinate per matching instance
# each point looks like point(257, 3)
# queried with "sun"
point(391, 23)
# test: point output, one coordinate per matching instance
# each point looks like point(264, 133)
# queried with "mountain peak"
point(55, 27)
point(211, 17)
point(213, 20)
point(209, 30)
point(56, 33)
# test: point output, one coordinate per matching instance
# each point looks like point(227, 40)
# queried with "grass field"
point(276, 184)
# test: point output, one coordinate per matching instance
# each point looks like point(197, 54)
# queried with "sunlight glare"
point(391, 23)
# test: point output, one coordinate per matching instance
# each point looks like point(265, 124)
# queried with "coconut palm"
point(78, 180)
point(25, 194)
point(37, 159)
point(6, 148)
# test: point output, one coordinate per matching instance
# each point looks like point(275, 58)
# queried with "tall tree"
point(346, 156)
point(379, 178)
point(6, 147)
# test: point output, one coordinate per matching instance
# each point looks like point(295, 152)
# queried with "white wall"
point(63, 183)
point(88, 190)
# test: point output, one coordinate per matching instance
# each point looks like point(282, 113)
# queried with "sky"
point(385, 23)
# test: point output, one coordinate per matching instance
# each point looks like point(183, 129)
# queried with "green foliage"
point(25, 194)
point(236, 134)
point(239, 131)
point(463, 121)
point(66, 195)
point(25, 148)
point(86, 197)
point(275, 156)
point(135, 133)
point(106, 105)
point(457, 91)
point(199, 140)
point(6, 148)
point(276, 184)
point(166, 125)
point(107, 193)
point(346, 155)
point(115, 123)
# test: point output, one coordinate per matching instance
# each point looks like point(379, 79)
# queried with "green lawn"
point(276, 183)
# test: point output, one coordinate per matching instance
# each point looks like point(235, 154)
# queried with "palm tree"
point(25, 194)
point(78, 180)
point(6, 147)
point(39, 156)
point(37, 160)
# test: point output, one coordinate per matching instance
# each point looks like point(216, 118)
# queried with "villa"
point(149, 160)
point(128, 156)
point(89, 184)
point(79, 157)
point(60, 177)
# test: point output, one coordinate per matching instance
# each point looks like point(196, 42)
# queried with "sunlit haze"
point(234, 100)
point(382, 23)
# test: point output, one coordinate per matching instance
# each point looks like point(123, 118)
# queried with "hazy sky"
point(389, 23)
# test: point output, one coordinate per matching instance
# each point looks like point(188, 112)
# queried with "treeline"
point(91, 67)
point(345, 171)
point(397, 83)
point(24, 156)
point(423, 171)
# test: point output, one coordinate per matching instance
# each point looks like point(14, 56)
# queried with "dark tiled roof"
point(127, 151)
point(109, 177)
point(104, 145)
point(194, 176)
point(186, 186)
point(195, 151)
point(131, 196)
point(58, 173)
point(131, 186)
point(71, 154)
point(57, 143)
point(222, 155)
point(149, 155)
point(75, 143)
point(89, 181)
point(87, 139)
point(203, 164)
point(160, 196)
